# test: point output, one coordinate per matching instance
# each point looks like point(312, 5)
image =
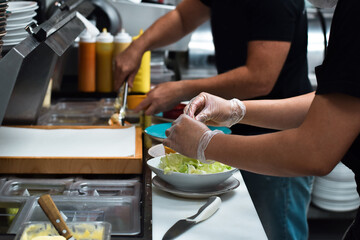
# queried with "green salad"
point(175, 162)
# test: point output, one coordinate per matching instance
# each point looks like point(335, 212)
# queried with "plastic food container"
point(24, 188)
point(134, 100)
point(79, 230)
point(105, 112)
point(76, 108)
point(9, 210)
point(2, 182)
point(123, 213)
point(106, 188)
point(107, 102)
point(58, 119)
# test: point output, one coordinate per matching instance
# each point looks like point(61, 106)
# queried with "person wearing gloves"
point(260, 52)
point(318, 129)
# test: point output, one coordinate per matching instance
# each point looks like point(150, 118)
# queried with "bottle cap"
point(87, 37)
point(122, 37)
point(105, 37)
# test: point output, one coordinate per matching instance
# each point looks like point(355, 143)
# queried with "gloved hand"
point(215, 111)
point(189, 137)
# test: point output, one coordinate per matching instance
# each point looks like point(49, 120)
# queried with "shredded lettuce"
point(175, 162)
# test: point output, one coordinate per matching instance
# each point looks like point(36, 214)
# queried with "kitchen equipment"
point(104, 62)
point(106, 188)
point(141, 83)
point(51, 211)
point(104, 162)
point(21, 188)
point(87, 64)
point(21, 14)
point(4, 14)
point(336, 191)
point(26, 69)
point(134, 99)
point(9, 211)
point(227, 186)
point(81, 230)
point(157, 150)
point(206, 211)
point(123, 97)
point(157, 131)
point(122, 212)
point(121, 41)
point(190, 182)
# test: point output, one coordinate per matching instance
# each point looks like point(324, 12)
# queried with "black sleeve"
point(275, 19)
point(340, 71)
point(206, 2)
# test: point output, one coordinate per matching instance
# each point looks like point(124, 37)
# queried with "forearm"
point(264, 154)
point(314, 148)
point(239, 83)
point(171, 27)
point(278, 114)
point(255, 79)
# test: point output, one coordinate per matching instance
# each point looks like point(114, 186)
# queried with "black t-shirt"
point(236, 22)
point(340, 71)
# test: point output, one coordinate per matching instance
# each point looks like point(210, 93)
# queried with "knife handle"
point(207, 210)
point(52, 212)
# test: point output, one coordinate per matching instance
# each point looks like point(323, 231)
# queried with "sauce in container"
point(121, 41)
point(87, 63)
point(104, 57)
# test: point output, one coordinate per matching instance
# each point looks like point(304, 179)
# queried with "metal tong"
point(123, 92)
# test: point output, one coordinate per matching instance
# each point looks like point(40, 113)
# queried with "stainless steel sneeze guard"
point(26, 69)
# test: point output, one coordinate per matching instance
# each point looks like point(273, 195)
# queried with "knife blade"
point(206, 211)
point(52, 212)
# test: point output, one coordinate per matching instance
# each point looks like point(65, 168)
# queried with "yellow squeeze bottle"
point(141, 82)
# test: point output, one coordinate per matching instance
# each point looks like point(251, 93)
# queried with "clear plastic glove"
point(215, 111)
point(189, 137)
point(184, 135)
point(125, 66)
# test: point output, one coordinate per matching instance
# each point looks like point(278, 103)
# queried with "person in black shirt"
point(260, 52)
point(319, 129)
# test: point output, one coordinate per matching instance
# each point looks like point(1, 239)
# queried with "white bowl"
point(15, 36)
point(22, 6)
point(190, 182)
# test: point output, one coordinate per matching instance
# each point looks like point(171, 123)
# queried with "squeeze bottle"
point(121, 41)
point(141, 82)
point(87, 64)
point(104, 57)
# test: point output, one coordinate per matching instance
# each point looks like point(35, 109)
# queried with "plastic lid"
point(105, 37)
point(122, 37)
point(87, 37)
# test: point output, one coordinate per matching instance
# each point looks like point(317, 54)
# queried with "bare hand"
point(163, 97)
point(126, 65)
